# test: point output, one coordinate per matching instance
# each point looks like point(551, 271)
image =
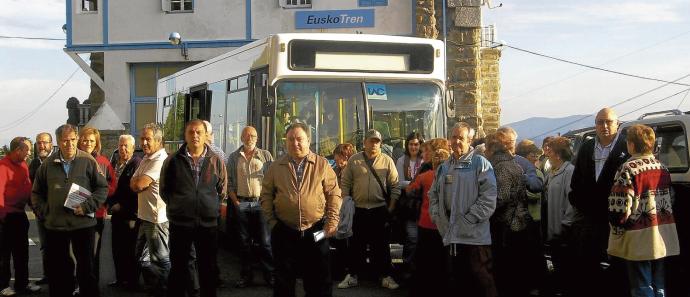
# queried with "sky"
point(643, 38)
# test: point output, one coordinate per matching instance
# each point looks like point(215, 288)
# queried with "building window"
point(89, 5)
point(373, 2)
point(295, 3)
point(178, 5)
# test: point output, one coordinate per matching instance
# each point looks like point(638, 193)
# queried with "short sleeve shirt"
point(151, 206)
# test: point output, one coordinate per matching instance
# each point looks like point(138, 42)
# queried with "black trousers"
point(14, 245)
point(369, 227)
point(296, 252)
point(60, 267)
point(100, 225)
point(206, 246)
point(430, 277)
point(124, 245)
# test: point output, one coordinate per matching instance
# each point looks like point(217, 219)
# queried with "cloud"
point(585, 14)
point(33, 19)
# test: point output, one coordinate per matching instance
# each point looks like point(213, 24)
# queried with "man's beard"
point(43, 154)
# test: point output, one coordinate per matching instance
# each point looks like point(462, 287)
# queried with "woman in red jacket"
point(90, 142)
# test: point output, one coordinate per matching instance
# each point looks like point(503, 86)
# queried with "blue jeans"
point(251, 226)
point(646, 278)
point(153, 253)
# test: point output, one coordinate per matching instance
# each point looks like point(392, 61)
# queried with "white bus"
point(338, 84)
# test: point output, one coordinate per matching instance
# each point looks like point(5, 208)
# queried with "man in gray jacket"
point(462, 198)
point(73, 225)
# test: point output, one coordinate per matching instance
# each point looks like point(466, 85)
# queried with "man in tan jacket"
point(301, 200)
point(375, 193)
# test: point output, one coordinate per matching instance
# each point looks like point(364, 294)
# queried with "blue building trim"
point(157, 45)
point(414, 17)
point(104, 11)
point(68, 22)
point(248, 20)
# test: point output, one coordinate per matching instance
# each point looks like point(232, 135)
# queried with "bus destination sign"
point(324, 19)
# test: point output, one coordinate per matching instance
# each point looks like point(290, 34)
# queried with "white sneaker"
point(32, 288)
point(349, 282)
point(389, 282)
point(8, 292)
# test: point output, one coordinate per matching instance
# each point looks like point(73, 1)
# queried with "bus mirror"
point(450, 102)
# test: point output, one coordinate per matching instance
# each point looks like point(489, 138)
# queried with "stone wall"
point(491, 88)
point(474, 82)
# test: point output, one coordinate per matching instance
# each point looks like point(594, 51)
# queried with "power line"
point(655, 102)
point(28, 115)
point(31, 38)
point(588, 66)
point(583, 71)
point(617, 104)
point(683, 100)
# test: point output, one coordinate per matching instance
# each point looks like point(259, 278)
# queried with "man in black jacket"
point(595, 167)
point(123, 206)
point(193, 182)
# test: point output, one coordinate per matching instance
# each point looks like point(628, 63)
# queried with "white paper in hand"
point(76, 196)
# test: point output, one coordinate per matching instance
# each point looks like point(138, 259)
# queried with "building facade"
point(132, 37)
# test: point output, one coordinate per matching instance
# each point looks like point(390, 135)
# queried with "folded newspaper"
point(76, 196)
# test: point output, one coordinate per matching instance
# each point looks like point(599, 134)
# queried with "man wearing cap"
point(371, 179)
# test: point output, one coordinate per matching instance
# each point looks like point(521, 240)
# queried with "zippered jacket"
point(52, 184)
point(462, 198)
point(192, 204)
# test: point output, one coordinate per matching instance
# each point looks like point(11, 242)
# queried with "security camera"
point(175, 38)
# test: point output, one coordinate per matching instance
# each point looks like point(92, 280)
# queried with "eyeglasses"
point(602, 122)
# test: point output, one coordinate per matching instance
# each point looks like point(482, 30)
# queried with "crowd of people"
point(477, 214)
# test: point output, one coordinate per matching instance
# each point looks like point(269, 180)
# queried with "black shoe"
point(115, 284)
point(43, 281)
point(243, 283)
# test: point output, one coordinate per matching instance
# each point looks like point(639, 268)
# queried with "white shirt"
point(151, 206)
point(601, 154)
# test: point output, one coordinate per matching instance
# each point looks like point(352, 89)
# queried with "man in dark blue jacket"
point(193, 182)
point(123, 206)
point(595, 168)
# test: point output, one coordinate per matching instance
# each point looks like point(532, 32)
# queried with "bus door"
point(198, 104)
point(260, 108)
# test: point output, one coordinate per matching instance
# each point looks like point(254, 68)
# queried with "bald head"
point(606, 125)
point(249, 138)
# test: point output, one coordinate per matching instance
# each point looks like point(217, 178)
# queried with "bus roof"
point(259, 54)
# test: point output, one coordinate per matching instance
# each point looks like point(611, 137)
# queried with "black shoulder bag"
point(383, 189)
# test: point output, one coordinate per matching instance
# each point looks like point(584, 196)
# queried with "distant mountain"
point(532, 128)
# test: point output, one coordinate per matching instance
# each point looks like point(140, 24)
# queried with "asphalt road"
point(229, 265)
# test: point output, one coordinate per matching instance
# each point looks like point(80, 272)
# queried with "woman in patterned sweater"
point(509, 234)
point(643, 230)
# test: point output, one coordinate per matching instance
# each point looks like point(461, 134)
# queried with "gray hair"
point(209, 127)
point(65, 128)
point(156, 129)
point(127, 137)
point(44, 133)
point(464, 125)
point(506, 129)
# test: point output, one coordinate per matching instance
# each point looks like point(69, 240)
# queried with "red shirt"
point(15, 186)
point(106, 170)
point(423, 182)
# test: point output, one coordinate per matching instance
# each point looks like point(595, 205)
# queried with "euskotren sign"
point(356, 18)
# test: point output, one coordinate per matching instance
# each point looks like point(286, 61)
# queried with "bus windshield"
point(336, 113)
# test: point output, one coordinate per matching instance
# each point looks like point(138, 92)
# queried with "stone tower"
point(472, 71)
